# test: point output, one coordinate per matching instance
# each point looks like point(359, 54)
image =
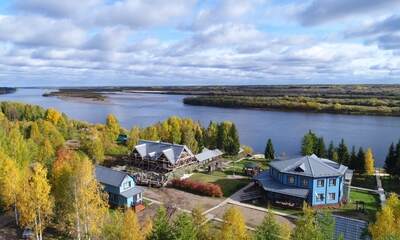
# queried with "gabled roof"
point(156, 149)
point(109, 176)
point(207, 154)
point(311, 166)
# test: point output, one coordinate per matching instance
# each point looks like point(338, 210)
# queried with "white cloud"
point(40, 31)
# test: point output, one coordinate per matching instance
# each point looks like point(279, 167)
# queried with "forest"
point(50, 187)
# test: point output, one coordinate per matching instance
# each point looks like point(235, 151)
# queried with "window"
point(332, 182)
point(291, 179)
point(127, 185)
point(320, 197)
point(320, 183)
point(332, 196)
point(305, 182)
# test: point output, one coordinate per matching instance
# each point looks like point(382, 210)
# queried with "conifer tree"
point(162, 230)
point(390, 161)
point(397, 160)
point(343, 153)
point(320, 149)
point(360, 160)
point(233, 227)
point(331, 150)
point(184, 228)
point(188, 138)
point(353, 159)
point(269, 152)
point(233, 145)
point(369, 162)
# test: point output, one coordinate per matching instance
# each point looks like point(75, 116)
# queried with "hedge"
point(206, 189)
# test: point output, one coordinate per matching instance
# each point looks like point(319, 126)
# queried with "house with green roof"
point(317, 181)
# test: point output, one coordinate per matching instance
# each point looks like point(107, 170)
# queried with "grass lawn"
point(237, 167)
point(228, 186)
point(371, 205)
point(364, 181)
point(391, 184)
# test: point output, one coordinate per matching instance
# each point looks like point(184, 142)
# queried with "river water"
point(255, 126)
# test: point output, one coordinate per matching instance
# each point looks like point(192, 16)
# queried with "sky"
point(193, 42)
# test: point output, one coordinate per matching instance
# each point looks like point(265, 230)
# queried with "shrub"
point(207, 189)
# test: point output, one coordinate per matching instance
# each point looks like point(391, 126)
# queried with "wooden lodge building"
point(162, 157)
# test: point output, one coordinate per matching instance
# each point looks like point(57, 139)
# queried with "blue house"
point(121, 188)
point(317, 181)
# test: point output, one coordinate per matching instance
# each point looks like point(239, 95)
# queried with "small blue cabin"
point(121, 188)
point(317, 181)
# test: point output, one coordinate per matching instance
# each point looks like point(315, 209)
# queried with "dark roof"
point(109, 176)
point(132, 192)
point(311, 166)
point(351, 229)
point(207, 154)
point(271, 185)
point(154, 149)
point(251, 165)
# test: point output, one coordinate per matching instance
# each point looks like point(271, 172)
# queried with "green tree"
point(343, 153)
point(164, 131)
point(223, 135)
point(307, 144)
point(184, 228)
point(319, 147)
point(269, 229)
point(331, 150)
point(211, 135)
point(326, 223)
point(162, 230)
point(269, 152)
point(233, 146)
point(360, 160)
point(390, 161)
point(353, 159)
point(306, 226)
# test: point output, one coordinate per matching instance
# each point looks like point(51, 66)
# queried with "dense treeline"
point(372, 106)
point(392, 161)
point(48, 182)
point(362, 162)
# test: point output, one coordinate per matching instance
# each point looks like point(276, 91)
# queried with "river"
point(255, 126)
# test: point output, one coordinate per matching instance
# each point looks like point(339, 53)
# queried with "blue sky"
point(185, 42)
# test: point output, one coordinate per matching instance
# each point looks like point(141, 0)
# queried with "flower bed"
point(206, 189)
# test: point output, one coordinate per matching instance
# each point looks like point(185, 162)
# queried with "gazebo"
point(251, 169)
